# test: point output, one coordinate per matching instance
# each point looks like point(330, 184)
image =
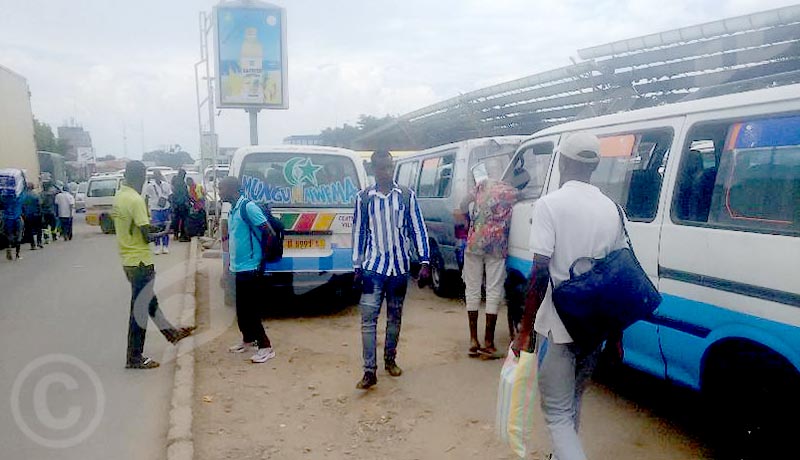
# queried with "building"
point(78, 143)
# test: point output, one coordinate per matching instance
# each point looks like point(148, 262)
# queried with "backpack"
point(405, 194)
point(271, 243)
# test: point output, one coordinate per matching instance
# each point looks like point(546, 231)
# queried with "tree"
point(174, 158)
point(347, 134)
point(46, 140)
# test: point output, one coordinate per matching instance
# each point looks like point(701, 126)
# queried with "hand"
point(358, 277)
point(424, 275)
point(521, 342)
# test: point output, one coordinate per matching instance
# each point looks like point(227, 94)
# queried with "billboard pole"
point(253, 126)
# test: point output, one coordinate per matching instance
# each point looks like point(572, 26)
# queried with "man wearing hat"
point(576, 221)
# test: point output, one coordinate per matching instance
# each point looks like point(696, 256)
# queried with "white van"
point(100, 199)
point(442, 177)
point(312, 190)
point(712, 191)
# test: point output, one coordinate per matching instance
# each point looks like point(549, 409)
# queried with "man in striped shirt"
point(387, 220)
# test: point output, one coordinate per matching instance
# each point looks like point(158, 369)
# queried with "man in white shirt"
point(156, 194)
point(576, 221)
point(65, 203)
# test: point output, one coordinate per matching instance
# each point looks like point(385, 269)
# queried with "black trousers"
point(66, 227)
point(180, 213)
point(33, 230)
point(144, 305)
point(247, 315)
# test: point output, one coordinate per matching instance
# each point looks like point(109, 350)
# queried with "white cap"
point(582, 147)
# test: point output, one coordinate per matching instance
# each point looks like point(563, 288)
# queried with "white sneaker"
point(241, 347)
point(263, 355)
point(164, 250)
point(157, 250)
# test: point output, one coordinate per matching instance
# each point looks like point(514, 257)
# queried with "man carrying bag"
point(574, 229)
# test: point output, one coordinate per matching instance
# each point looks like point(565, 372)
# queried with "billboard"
point(85, 155)
point(250, 43)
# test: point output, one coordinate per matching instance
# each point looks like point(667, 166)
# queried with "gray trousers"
point(562, 375)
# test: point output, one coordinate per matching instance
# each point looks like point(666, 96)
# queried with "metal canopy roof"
point(721, 57)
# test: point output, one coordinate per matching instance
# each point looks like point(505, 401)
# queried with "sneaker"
point(241, 347)
point(143, 363)
point(368, 381)
point(393, 369)
point(157, 250)
point(164, 250)
point(263, 355)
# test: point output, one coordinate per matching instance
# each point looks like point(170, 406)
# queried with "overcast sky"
point(127, 66)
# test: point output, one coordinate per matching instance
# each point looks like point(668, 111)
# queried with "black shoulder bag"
point(612, 295)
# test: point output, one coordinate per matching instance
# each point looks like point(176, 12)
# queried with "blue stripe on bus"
point(684, 329)
point(341, 259)
point(519, 264)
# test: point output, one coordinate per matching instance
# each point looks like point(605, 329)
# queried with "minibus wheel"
point(750, 392)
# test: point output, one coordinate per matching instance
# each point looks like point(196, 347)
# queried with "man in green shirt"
point(132, 225)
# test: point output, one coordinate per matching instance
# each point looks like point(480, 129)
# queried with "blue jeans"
point(160, 218)
point(376, 288)
point(563, 372)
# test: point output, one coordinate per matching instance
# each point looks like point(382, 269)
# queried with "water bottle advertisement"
point(251, 55)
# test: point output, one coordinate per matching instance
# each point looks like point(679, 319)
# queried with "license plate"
point(304, 243)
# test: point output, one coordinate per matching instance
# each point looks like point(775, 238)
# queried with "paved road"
point(71, 299)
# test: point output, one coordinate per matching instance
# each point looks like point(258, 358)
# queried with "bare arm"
point(537, 288)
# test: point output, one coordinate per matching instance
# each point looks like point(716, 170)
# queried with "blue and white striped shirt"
point(383, 245)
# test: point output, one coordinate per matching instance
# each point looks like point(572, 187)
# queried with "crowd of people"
point(577, 221)
point(178, 206)
point(36, 219)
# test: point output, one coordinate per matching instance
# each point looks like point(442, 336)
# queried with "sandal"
point(490, 353)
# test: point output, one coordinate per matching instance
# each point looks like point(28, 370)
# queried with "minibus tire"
point(750, 393)
point(445, 283)
point(439, 278)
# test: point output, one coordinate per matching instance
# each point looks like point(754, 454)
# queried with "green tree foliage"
point(175, 157)
point(45, 139)
point(347, 135)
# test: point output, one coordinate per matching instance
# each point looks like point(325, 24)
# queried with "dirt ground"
point(304, 405)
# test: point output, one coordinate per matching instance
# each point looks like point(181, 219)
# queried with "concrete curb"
point(180, 443)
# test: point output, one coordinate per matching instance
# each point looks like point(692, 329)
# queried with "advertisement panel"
point(85, 154)
point(250, 43)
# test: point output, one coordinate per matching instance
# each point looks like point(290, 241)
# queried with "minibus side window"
point(753, 181)
point(631, 170)
point(407, 174)
point(436, 177)
point(529, 171)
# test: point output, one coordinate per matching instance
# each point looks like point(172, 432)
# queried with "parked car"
point(99, 200)
point(80, 197)
point(442, 177)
